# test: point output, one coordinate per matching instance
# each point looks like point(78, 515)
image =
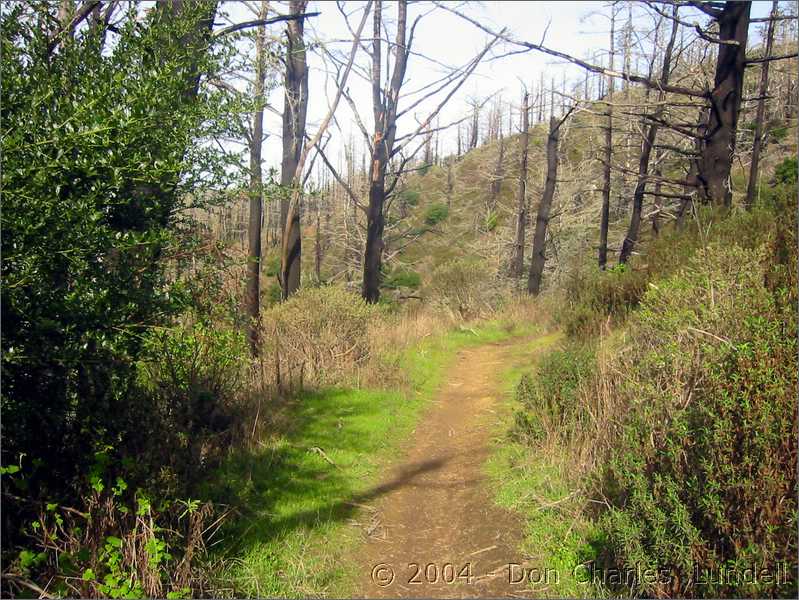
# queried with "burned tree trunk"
point(252, 296)
point(475, 128)
point(294, 112)
point(751, 189)
point(385, 100)
point(318, 241)
point(496, 179)
point(725, 102)
point(450, 183)
point(375, 224)
point(517, 258)
point(646, 150)
point(385, 119)
point(542, 219)
point(605, 215)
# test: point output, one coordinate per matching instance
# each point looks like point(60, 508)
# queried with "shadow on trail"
point(315, 473)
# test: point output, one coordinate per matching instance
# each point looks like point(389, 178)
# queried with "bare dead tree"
point(646, 150)
point(540, 101)
point(450, 183)
point(725, 100)
point(496, 177)
point(428, 147)
point(391, 153)
point(295, 109)
point(517, 255)
point(319, 241)
point(604, 220)
point(475, 126)
point(538, 258)
point(252, 293)
point(385, 117)
point(292, 239)
point(751, 189)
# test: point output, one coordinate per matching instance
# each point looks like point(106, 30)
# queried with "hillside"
point(243, 363)
point(471, 230)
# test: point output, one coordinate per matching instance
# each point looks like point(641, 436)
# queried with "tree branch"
point(754, 61)
point(258, 22)
point(675, 89)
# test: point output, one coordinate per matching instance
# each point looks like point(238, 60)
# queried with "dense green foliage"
point(102, 150)
point(548, 400)
point(435, 213)
point(786, 172)
point(703, 476)
point(691, 418)
point(400, 277)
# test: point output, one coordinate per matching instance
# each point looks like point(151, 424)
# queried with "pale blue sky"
point(577, 28)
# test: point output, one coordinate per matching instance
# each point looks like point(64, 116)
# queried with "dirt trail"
point(437, 531)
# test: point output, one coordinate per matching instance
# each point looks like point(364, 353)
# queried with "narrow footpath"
point(436, 531)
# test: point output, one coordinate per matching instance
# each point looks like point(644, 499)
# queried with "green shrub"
point(594, 296)
point(94, 186)
point(319, 336)
point(778, 130)
point(491, 221)
point(703, 472)
point(272, 265)
point(549, 400)
point(410, 197)
point(435, 213)
point(118, 545)
point(402, 277)
point(195, 372)
point(786, 171)
point(527, 422)
point(95, 192)
point(464, 288)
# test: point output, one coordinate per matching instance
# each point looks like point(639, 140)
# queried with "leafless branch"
point(582, 63)
point(247, 24)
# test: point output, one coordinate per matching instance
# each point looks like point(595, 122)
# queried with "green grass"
point(297, 494)
point(557, 534)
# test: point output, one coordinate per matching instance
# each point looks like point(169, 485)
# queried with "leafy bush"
point(703, 472)
point(119, 545)
point(594, 296)
point(402, 277)
point(272, 265)
point(93, 189)
point(463, 288)
point(435, 213)
point(195, 372)
point(319, 335)
point(786, 171)
point(549, 399)
point(491, 221)
point(778, 130)
point(410, 197)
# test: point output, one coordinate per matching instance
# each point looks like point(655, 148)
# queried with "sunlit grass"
point(535, 484)
point(299, 491)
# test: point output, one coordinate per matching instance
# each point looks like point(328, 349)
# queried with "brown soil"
point(437, 531)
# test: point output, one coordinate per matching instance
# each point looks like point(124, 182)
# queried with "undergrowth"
point(296, 490)
point(667, 421)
